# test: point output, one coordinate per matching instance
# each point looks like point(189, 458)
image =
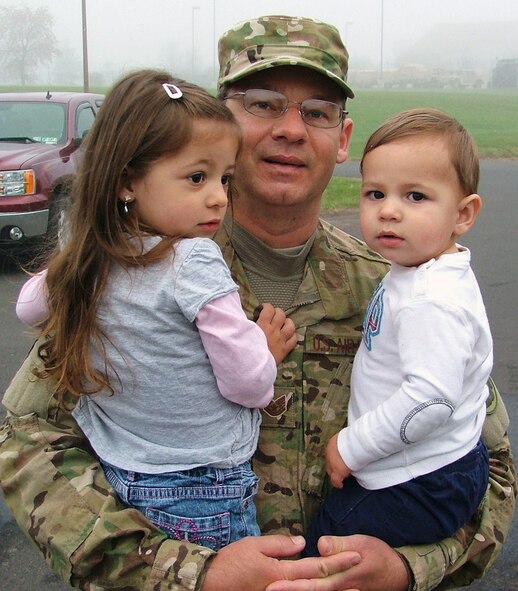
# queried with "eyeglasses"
point(269, 104)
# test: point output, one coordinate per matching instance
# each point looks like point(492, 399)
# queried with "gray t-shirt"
point(166, 413)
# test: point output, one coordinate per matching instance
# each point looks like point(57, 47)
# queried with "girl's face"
point(412, 207)
point(186, 194)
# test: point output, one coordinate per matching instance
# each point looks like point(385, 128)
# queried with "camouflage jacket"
point(77, 523)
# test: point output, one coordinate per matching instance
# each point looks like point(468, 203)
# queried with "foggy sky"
point(180, 35)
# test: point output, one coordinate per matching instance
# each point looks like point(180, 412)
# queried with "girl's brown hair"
point(462, 148)
point(137, 124)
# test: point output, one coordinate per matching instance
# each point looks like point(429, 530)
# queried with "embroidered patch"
point(333, 344)
point(372, 322)
point(278, 406)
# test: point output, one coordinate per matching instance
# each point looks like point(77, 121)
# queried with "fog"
point(180, 35)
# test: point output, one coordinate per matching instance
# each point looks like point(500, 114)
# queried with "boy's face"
point(411, 201)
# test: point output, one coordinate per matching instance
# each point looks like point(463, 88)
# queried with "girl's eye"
point(416, 197)
point(225, 179)
point(376, 195)
point(197, 177)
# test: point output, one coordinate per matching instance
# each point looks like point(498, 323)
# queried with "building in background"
point(505, 74)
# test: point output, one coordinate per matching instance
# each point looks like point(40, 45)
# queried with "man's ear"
point(345, 140)
point(467, 213)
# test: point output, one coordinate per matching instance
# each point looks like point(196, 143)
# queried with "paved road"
point(492, 241)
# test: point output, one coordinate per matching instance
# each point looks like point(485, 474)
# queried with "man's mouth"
point(285, 160)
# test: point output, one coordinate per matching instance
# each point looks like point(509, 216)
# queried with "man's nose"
point(290, 124)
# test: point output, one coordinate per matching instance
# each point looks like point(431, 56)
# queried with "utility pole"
point(214, 44)
point(86, 85)
point(193, 20)
point(381, 45)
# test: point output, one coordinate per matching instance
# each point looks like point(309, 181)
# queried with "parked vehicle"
point(40, 135)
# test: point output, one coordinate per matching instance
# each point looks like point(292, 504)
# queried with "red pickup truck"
point(40, 134)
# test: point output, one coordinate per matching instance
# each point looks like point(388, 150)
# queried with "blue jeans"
point(424, 510)
point(207, 506)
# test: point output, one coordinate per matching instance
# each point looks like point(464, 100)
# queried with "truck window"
point(85, 119)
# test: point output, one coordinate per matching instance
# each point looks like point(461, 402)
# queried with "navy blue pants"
point(424, 510)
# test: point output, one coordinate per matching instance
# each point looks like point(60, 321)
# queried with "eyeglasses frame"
point(242, 94)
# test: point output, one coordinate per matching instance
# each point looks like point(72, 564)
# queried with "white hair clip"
point(173, 91)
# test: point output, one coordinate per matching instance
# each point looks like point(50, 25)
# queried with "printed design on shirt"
point(373, 317)
point(417, 410)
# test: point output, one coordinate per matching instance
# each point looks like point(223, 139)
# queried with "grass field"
point(490, 116)
point(341, 192)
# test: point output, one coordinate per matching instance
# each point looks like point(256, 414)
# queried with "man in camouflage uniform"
point(53, 483)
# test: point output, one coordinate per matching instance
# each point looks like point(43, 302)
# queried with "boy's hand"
point(336, 468)
point(279, 331)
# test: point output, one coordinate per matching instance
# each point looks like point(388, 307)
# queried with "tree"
point(26, 40)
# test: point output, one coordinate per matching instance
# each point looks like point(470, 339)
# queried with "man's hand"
point(336, 468)
point(380, 569)
point(253, 563)
point(279, 331)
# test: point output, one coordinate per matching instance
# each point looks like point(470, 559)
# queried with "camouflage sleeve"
point(58, 494)
point(467, 556)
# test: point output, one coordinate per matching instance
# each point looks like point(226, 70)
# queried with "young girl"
point(143, 321)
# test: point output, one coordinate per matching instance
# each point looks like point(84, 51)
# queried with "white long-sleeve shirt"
point(419, 381)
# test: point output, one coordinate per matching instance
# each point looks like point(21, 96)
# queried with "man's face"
point(284, 161)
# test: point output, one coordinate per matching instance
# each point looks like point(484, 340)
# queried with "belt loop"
point(220, 476)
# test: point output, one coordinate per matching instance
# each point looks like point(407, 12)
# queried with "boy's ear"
point(467, 213)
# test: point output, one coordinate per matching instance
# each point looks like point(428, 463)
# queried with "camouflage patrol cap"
point(267, 41)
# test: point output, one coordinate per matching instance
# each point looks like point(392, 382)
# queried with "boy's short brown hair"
point(462, 148)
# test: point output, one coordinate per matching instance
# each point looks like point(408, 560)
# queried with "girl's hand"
point(279, 331)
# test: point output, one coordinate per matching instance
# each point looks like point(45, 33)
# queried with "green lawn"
point(341, 192)
point(491, 116)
